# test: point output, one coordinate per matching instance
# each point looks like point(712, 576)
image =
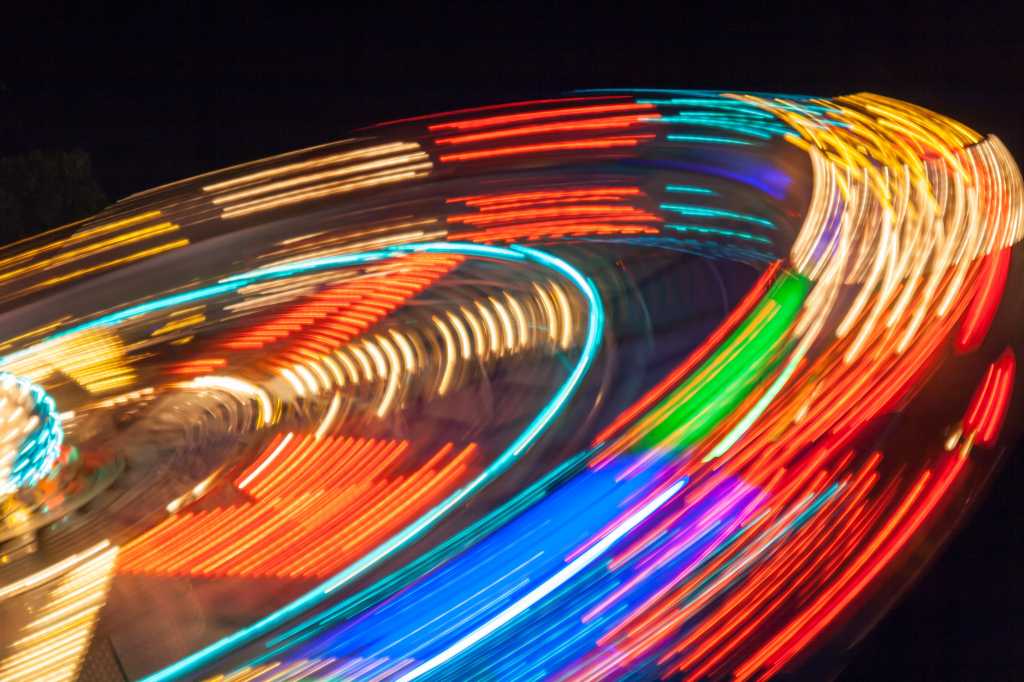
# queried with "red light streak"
point(603, 211)
point(541, 231)
point(316, 504)
point(491, 121)
point(587, 144)
point(608, 123)
point(494, 107)
point(744, 307)
point(196, 367)
point(490, 201)
point(982, 311)
point(991, 400)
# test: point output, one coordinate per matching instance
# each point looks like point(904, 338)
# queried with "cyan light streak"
point(37, 451)
point(582, 572)
point(588, 352)
point(405, 575)
point(761, 177)
point(778, 531)
point(461, 597)
point(707, 139)
point(707, 212)
point(548, 586)
point(753, 127)
point(690, 189)
point(719, 232)
point(457, 543)
point(526, 549)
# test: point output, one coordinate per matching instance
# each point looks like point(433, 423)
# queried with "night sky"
point(157, 97)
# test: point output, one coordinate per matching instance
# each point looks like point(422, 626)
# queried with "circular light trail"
point(646, 383)
point(32, 433)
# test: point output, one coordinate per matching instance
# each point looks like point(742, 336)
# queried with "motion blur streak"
point(626, 384)
point(52, 645)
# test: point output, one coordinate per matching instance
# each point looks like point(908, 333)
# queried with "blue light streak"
point(588, 352)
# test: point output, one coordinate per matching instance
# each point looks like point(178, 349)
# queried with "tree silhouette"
point(44, 189)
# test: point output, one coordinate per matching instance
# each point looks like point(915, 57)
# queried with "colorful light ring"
point(745, 509)
point(33, 434)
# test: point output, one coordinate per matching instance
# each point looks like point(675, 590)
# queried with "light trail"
point(631, 383)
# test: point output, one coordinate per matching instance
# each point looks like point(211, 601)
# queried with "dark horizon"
point(154, 100)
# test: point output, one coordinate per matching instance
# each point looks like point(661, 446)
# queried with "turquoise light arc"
point(590, 347)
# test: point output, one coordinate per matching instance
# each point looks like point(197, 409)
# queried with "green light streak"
point(732, 372)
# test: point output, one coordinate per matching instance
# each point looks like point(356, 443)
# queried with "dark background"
point(155, 97)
